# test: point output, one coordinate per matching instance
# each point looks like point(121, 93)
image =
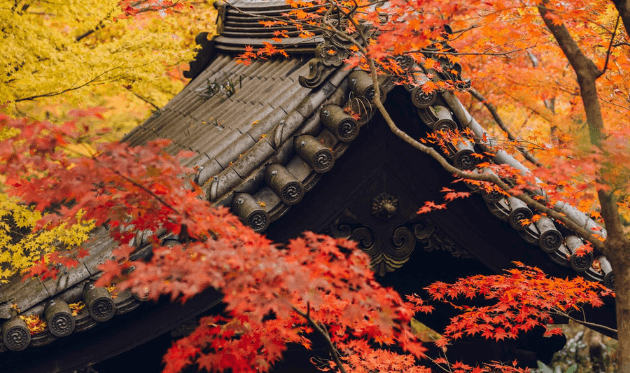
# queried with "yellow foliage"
point(75, 54)
point(423, 332)
point(21, 247)
point(34, 324)
point(76, 308)
point(112, 291)
point(71, 54)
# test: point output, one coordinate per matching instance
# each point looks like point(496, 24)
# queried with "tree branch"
point(144, 99)
point(142, 187)
point(465, 119)
point(493, 110)
point(74, 88)
point(587, 73)
point(623, 7)
point(320, 329)
point(89, 32)
point(98, 26)
point(584, 322)
point(549, 103)
point(612, 38)
point(499, 54)
point(453, 102)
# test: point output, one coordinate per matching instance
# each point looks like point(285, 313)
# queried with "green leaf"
point(543, 368)
point(572, 369)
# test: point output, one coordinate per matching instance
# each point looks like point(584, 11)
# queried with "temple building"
point(277, 143)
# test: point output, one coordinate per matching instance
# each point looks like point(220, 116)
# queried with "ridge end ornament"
point(318, 72)
point(331, 55)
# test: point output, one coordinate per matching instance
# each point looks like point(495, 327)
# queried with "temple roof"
point(239, 27)
point(264, 134)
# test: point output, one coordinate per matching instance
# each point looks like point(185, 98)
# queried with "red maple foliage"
point(521, 299)
point(278, 295)
point(274, 295)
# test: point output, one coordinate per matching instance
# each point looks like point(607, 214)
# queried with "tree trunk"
point(623, 7)
point(622, 301)
point(617, 246)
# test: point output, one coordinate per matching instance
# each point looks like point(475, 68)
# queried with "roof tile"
point(308, 105)
point(266, 123)
point(253, 158)
point(224, 109)
point(267, 197)
point(264, 73)
point(67, 280)
point(253, 89)
point(295, 74)
point(210, 169)
point(178, 129)
point(288, 69)
point(198, 160)
point(285, 128)
point(275, 88)
point(251, 118)
point(222, 183)
point(235, 149)
point(298, 168)
point(212, 145)
point(235, 118)
point(290, 97)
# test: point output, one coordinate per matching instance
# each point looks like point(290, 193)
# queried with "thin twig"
point(142, 187)
point(585, 323)
point(51, 94)
point(98, 26)
point(144, 99)
point(500, 54)
point(453, 32)
point(320, 329)
point(612, 38)
point(493, 110)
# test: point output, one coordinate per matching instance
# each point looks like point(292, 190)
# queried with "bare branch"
point(89, 32)
point(584, 322)
point(453, 32)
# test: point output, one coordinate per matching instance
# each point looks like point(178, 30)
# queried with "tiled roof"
point(34, 297)
point(239, 26)
point(242, 168)
point(235, 118)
